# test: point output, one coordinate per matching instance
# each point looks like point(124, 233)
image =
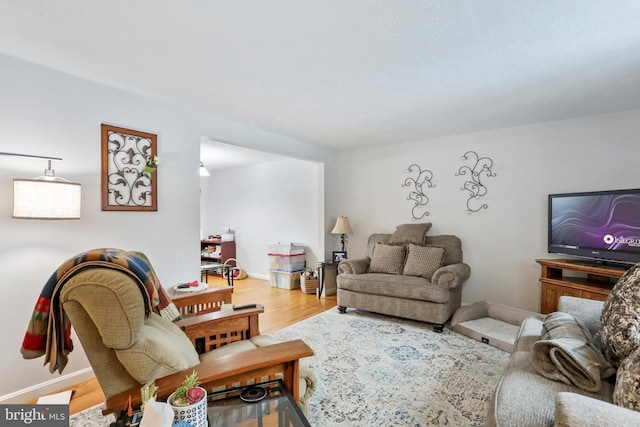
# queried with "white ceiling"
point(347, 74)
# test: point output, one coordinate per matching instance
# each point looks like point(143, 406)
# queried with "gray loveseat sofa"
point(429, 297)
point(525, 398)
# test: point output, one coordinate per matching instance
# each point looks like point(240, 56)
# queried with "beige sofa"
point(525, 398)
point(432, 300)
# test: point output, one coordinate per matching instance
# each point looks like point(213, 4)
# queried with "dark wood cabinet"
point(574, 278)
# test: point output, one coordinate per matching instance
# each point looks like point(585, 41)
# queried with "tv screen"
point(602, 225)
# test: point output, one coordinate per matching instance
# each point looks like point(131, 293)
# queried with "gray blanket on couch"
point(567, 352)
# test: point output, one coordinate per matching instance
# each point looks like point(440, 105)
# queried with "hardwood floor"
point(281, 308)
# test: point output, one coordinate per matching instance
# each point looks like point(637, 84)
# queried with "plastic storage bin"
point(287, 262)
point(284, 279)
point(285, 249)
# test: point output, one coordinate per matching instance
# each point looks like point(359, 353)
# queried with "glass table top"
point(266, 404)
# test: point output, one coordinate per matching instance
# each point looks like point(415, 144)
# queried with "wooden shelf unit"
point(593, 282)
point(227, 250)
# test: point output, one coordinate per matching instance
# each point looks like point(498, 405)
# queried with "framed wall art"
point(129, 170)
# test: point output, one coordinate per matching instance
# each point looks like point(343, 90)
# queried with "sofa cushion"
point(452, 247)
point(525, 398)
point(161, 349)
point(574, 410)
point(395, 285)
point(423, 261)
point(387, 259)
point(410, 233)
point(119, 326)
point(374, 239)
point(620, 330)
point(587, 311)
point(451, 244)
point(231, 348)
point(627, 390)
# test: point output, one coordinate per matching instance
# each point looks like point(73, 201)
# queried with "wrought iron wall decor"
point(474, 185)
point(127, 184)
point(421, 181)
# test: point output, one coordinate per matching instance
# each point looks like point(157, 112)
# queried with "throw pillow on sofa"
point(387, 259)
point(627, 389)
point(620, 321)
point(410, 233)
point(423, 261)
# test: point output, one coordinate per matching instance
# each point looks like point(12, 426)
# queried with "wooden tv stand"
point(592, 281)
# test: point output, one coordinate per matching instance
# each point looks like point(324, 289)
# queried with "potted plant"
point(151, 166)
point(189, 402)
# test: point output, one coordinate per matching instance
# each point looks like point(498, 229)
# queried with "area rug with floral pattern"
point(376, 370)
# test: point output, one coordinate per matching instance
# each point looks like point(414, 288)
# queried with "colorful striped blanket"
point(49, 330)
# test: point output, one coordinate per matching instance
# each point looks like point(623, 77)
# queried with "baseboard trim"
point(47, 387)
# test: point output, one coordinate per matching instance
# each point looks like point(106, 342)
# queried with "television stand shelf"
point(590, 281)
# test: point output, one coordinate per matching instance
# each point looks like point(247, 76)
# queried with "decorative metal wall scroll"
point(420, 199)
point(474, 185)
point(129, 179)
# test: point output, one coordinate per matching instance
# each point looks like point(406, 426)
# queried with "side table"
point(207, 268)
point(245, 406)
point(327, 272)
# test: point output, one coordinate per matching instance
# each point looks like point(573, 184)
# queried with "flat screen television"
point(601, 225)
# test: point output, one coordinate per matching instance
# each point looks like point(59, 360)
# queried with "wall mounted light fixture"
point(47, 196)
point(203, 170)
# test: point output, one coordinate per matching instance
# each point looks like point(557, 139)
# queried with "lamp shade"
point(44, 199)
point(342, 226)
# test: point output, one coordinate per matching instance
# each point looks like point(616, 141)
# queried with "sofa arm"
point(586, 310)
point(576, 410)
point(451, 275)
point(354, 266)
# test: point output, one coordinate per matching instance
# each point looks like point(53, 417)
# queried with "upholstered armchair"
point(406, 274)
point(127, 346)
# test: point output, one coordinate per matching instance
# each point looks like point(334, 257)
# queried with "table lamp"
point(342, 228)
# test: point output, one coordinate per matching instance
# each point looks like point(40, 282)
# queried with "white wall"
point(268, 202)
point(50, 113)
point(501, 242)
point(44, 112)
